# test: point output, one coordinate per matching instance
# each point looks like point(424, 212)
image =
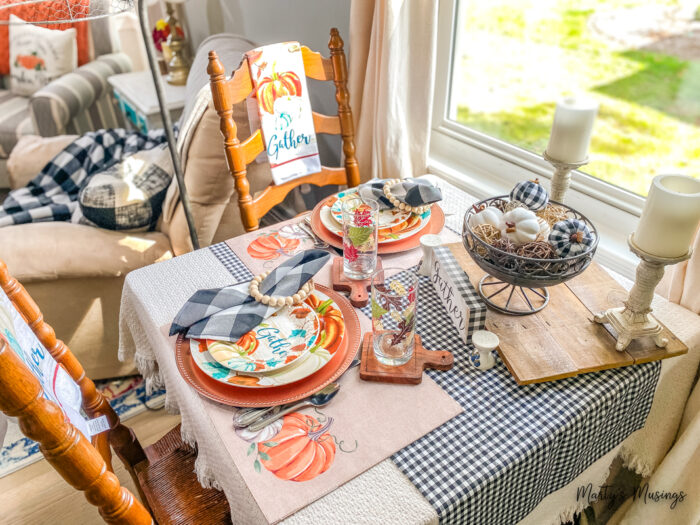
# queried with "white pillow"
point(39, 55)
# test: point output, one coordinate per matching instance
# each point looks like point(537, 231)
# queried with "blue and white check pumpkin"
point(531, 194)
point(570, 237)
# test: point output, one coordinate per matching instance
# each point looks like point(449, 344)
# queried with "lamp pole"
point(167, 122)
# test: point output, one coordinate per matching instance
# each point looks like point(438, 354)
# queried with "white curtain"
point(392, 64)
point(681, 283)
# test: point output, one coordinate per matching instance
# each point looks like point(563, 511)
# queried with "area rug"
point(128, 397)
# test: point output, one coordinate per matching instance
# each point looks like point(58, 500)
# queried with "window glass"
point(640, 60)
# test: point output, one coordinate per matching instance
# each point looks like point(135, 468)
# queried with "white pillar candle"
point(670, 216)
point(572, 128)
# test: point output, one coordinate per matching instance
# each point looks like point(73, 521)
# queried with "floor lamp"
point(74, 11)
point(167, 121)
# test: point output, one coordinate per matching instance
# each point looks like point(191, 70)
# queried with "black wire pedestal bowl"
point(514, 284)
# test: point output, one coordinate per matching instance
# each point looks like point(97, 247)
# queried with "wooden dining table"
point(577, 426)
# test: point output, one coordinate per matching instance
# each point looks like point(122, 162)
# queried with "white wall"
point(271, 21)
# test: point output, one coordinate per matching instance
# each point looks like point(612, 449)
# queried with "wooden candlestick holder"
point(358, 289)
point(409, 373)
point(634, 319)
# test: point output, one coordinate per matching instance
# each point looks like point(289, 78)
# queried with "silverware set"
point(255, 419)
point(305, 226)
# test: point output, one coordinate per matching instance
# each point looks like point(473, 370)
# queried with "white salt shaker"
point(427, 244)
point(485, 343)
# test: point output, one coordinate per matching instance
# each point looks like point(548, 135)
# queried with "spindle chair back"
point(163, 473)
point(229, 91)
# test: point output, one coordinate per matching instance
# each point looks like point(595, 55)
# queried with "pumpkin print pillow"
point(39, 55)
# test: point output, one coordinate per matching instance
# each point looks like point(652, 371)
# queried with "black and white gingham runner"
point(513, 445)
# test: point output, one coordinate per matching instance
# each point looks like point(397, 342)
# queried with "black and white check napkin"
point(414, 192)
point(227, 313)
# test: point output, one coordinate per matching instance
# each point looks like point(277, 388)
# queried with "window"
point(514, 58)
point(503, 64)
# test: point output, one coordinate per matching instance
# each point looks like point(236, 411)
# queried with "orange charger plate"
point(435, 225)
point(276, 395)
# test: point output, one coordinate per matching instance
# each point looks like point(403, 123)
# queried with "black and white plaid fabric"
point(531, 194)
point(228, 313)
point(414, 192)
point(561, 237)
point(128, 195)
point(52, 195)
point(513, 445)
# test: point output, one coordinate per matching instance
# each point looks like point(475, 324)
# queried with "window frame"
point(486, 166)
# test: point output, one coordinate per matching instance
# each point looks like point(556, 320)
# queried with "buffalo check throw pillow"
point(129, 195)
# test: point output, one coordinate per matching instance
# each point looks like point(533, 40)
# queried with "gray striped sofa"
point(73, 104)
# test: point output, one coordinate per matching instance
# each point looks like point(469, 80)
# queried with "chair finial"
point(336, 42)
point(215, 66)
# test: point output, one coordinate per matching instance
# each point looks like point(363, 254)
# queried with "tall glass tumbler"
point(394, 301)
point(360, 225)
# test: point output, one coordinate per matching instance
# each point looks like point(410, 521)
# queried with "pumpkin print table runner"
point(286, 121)
point(309, 453)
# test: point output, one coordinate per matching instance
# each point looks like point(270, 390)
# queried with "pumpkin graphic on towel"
point(301, 450)
point(279, 85)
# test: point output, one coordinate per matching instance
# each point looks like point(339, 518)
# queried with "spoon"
point(319, 399)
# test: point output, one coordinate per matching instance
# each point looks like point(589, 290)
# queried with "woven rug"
point(128, 397)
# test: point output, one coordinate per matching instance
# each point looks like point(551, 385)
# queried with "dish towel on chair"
point(414, 192)
point(286, 121)
point(226, 314)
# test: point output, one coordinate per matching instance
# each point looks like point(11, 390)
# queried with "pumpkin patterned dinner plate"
point(410, 226)
point(387, 218)
point(331, 329)
point(273, 345)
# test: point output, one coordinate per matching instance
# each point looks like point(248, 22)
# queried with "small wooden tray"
point(411, 373)
point(358, 289)
point(561, 340)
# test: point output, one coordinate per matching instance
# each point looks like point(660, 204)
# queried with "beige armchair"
point(75, 273)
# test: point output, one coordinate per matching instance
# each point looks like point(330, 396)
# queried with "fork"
point(305, 226)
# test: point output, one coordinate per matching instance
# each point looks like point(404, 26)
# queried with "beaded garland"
point(276, 300)
point(418, 210)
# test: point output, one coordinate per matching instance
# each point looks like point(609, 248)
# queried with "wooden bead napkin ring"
point(418, 210)
point(276, 300)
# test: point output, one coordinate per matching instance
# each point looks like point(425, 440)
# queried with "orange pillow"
point(50, 10)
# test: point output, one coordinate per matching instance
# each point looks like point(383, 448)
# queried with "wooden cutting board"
point(562, 340)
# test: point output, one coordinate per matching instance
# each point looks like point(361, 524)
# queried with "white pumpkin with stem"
point(522, 226)
point(488, 215)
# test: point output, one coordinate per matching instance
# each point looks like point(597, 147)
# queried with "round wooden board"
point(435, 225)
point(245, 397)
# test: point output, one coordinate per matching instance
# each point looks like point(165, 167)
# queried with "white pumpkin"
point(489, 215)
point(521, 226)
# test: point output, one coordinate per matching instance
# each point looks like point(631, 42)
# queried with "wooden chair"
point(163, 472)
point(227, 92)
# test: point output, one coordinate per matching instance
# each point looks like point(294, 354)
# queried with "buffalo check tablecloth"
point(516, 453)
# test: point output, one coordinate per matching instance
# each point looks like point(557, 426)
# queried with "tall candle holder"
point(634, 319)
point(562, 176)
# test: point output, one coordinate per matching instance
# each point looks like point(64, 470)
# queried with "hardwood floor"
point(37, 495)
